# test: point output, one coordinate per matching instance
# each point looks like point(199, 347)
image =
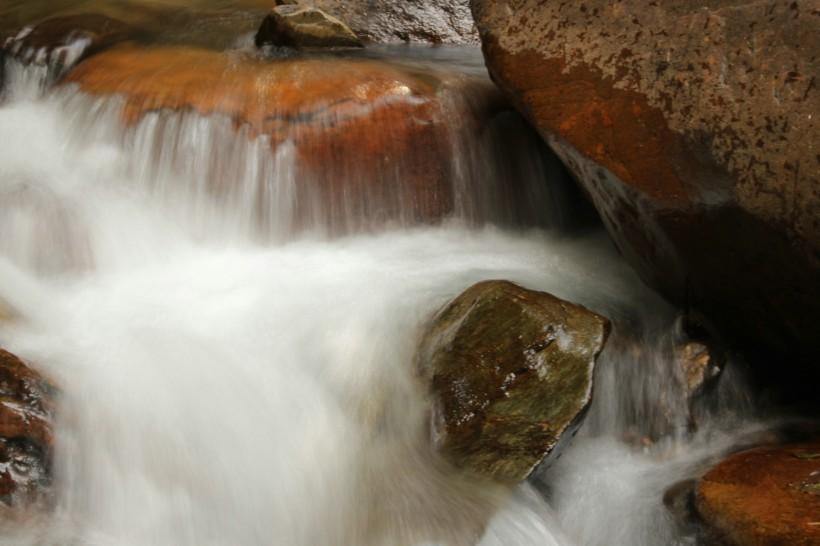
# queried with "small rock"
point(511, 376)
point(697, 366)
point(299, 26)
point(26, 437)
point(764, 497)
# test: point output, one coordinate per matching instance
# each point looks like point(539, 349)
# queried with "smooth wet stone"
point(291, 25)
point(26, 436)
point(511, 374)
point(693, 127)
point(769, 496)
point(373, 142)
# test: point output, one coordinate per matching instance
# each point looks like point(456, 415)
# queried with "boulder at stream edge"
point(693, 127)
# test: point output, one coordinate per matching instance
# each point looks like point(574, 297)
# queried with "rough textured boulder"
point(26, 410)
point(433, 21)
point(511, 374)
point(768, 496)
point(300, 26)
point(693, 127)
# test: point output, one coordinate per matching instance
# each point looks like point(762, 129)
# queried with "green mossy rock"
point(511, 373)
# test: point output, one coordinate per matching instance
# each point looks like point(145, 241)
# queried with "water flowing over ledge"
point(236, 347)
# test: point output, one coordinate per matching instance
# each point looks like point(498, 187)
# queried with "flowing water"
point(231, 381)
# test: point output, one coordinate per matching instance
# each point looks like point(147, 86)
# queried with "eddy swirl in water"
point(235, 353)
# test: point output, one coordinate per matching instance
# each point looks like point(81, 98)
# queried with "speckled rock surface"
point(384, 21)
point(767, 496)
point(693, 127)
point(26, 411)
point(302, 26)
point(511, 372)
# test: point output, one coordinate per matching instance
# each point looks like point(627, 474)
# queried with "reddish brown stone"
point(764, 497)
point(692, 126)
point(373, 141)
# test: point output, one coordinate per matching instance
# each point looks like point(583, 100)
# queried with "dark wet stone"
point(511, 375)
point(26, 437)
point(63, 41)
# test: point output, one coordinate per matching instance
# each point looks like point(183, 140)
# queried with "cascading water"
point(231, 378)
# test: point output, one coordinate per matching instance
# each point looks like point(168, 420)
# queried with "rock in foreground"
point(693, 126)
point(511, 372)
point(768, 496)
point(291, 25)
point(26, 410)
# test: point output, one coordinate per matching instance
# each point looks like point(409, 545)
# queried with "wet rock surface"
point(26, 412)
point(693, 128)
point(372, 142)
point(291, 25)
point(511, 375)
point(769, 496)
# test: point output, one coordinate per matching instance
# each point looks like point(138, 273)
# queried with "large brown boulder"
point(693, 127)
point(511, 374)
point(26, 438)
point(767, 496)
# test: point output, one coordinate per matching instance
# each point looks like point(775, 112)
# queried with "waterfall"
point(235, 352)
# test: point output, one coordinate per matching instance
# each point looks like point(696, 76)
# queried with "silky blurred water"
point(222, 387)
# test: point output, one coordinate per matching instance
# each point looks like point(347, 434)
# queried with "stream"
point(226, 384)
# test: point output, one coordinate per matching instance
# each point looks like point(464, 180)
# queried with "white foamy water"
point(225, 389)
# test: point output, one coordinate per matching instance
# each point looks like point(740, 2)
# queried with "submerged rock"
point(511, 374)
point(768, 496)
point(26, 411)
point(693, 127)
point(290, 25)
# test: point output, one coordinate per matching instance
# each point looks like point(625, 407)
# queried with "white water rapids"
point(218, 389)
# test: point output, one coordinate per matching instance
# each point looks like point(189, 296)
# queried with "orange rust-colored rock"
point(359, 127)
point(693, 127)
point(768, 496)
point(26, 410)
